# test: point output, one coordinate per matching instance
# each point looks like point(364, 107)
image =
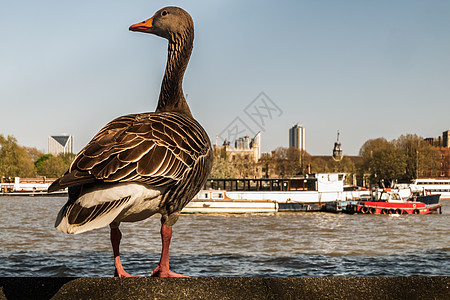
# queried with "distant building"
point(297, 137)
point(433, 141)
point(445, 140)
point(60, 144)
point(242, 143)
point(245, 147)
point(337, 150)
point(442, 144)
point(444, 161)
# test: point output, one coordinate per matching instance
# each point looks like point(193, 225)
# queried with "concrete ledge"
point(226, 288)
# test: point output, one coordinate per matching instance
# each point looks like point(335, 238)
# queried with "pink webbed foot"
point(119, 271)
point(160, 272)
point(122, 274)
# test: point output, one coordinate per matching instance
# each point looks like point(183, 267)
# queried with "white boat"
point(432, 186)
point(29, 187)
point(217, 201)
point(255, 195)
point(39, 184)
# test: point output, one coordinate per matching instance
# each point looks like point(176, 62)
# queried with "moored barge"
point(394, 204)
point(385, 208)
point(217, 201)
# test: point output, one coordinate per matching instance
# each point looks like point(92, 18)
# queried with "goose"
point(143, 164)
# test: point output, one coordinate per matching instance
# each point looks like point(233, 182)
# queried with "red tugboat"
point(391, 203)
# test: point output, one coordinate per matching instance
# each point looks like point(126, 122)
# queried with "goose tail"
point(78, 217)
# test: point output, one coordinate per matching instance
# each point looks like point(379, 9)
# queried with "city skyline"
point(68, 142)
point(64, 143)
point(370, 70)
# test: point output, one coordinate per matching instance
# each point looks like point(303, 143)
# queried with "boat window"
point(276, 185)
point(227, 185)
point(298, 184)
point(311, 185)
point(285, 185)
point(396, 196)
point(211, 184)
point(204, 196)
point(265, 185)
point(217, 195)
point(240, 185)
point(252, 185)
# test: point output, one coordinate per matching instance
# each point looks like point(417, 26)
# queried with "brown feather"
point(106, 168)
point(151, 162)
point(137, 152)
point(169, 159)
point(95, 149)
point(141, 128)
point(121, 173)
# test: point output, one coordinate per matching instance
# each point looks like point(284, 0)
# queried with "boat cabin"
point(312, 182)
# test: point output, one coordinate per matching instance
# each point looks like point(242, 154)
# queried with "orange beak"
point(145, 26)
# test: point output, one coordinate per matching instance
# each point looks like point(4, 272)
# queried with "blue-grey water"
point(284, 244)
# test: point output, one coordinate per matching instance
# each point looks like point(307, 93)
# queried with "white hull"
point(232, 207)
point(432, 186)
point(297, 196)
point(445, 195)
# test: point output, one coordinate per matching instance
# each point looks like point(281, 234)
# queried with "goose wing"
point(152, 148)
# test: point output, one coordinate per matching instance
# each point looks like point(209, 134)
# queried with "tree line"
point(379, 162)
point(402, 159)
point(20, 161)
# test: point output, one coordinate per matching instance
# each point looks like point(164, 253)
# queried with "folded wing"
point(152, 148)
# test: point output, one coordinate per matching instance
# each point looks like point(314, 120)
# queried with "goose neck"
point(171, 97)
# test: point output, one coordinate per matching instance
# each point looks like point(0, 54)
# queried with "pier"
point(226, 288)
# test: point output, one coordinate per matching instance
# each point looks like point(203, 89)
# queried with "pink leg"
point(116, 236)
point(162, 270)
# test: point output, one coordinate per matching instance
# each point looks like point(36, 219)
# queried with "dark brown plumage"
point(142, 164)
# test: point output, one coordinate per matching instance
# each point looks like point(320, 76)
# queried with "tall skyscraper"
point(297, 137)
point(60, 144)
point(445, 139)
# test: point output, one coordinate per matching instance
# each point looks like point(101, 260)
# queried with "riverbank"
point(226, 288)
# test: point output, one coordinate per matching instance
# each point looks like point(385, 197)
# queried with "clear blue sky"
point(368, 68)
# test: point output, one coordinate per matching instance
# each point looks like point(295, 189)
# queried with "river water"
point(268, 245)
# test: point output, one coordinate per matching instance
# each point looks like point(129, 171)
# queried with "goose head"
point(168, 22)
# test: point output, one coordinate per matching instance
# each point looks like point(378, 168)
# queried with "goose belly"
point(144, 201)
point(142, 208)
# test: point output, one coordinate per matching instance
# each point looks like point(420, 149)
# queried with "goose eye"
point(164, 12)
